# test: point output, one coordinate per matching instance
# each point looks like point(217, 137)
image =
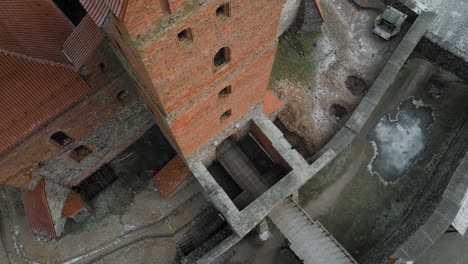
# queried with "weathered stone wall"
point(103, 73)
point(443, 58)
point(105, 141)
point(288, 15)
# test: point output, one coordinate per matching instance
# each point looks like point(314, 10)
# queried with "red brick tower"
point(202, 66)
point(70, 74)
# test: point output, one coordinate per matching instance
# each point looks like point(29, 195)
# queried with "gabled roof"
point(83, 41)
point(99, 9)
point(36, 209)
point(171, 176)
point(33, 28)
point(32, 94)
point(38, 81)
point(73, 205)
point(271, 103)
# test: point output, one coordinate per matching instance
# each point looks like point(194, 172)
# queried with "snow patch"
point(399, 142)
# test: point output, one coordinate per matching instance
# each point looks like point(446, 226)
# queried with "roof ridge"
point(37, 60)
point(100, 9)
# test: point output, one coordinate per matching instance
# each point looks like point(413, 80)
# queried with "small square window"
point(60, 138)
point(226, 115)
point(225, 92)
point(79, 153)
point(223, 11)
point(185, 36)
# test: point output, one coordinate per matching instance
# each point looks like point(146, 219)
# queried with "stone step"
point(308, 240)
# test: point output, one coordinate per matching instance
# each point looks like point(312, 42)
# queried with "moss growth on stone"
point(295, 58)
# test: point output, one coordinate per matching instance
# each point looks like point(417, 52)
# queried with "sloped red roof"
point(271, 103)
point(171, 176)
point(32, 94)
point(35, 28)
point(73, 205)
point(83, 41)
point(99, 9)
point(37, 211)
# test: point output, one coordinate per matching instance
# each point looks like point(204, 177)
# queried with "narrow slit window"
point(80, 153)
point(122, 95)
point(223, 11)
point(61, 139)
point(222, 57)
point(226, 115)
point(102, 67)
point(185, 36)
point(225, 92)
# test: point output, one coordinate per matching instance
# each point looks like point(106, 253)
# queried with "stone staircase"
point(309, 240)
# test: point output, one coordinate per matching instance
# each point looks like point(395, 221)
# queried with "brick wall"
point(201, 122)
point(17, 167)
point(177, 5)
point(184, 83)
point(181, 73)
point(268, 146)
point(143, 14)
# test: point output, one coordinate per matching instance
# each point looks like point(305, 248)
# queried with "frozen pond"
point(399, 142)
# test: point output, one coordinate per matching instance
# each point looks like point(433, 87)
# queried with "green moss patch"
point(295, 58)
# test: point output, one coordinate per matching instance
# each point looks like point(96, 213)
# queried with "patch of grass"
point(323, 179)
point(295, 57)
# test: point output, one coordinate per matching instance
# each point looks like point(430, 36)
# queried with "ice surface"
point(399, 142)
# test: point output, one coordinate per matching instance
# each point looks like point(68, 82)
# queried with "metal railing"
point(317, 222)
point(329, 235)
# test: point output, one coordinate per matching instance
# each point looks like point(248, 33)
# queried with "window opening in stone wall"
point(72, 9)
point(225, 92)
point(226, 115)
point(80, 153)
point(185, 36)
point(102, 67)
point(61, 139)
point(223, 11)
point(222, 57)
point(96, 183)
point(122, 95)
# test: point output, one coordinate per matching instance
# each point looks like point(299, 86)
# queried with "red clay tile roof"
point(32, 94)
point(83, 41)
point(73, 205)
point(271, 103)
point(171, 176)
point(35, 28)
point(99, 9)
point(37, 211)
